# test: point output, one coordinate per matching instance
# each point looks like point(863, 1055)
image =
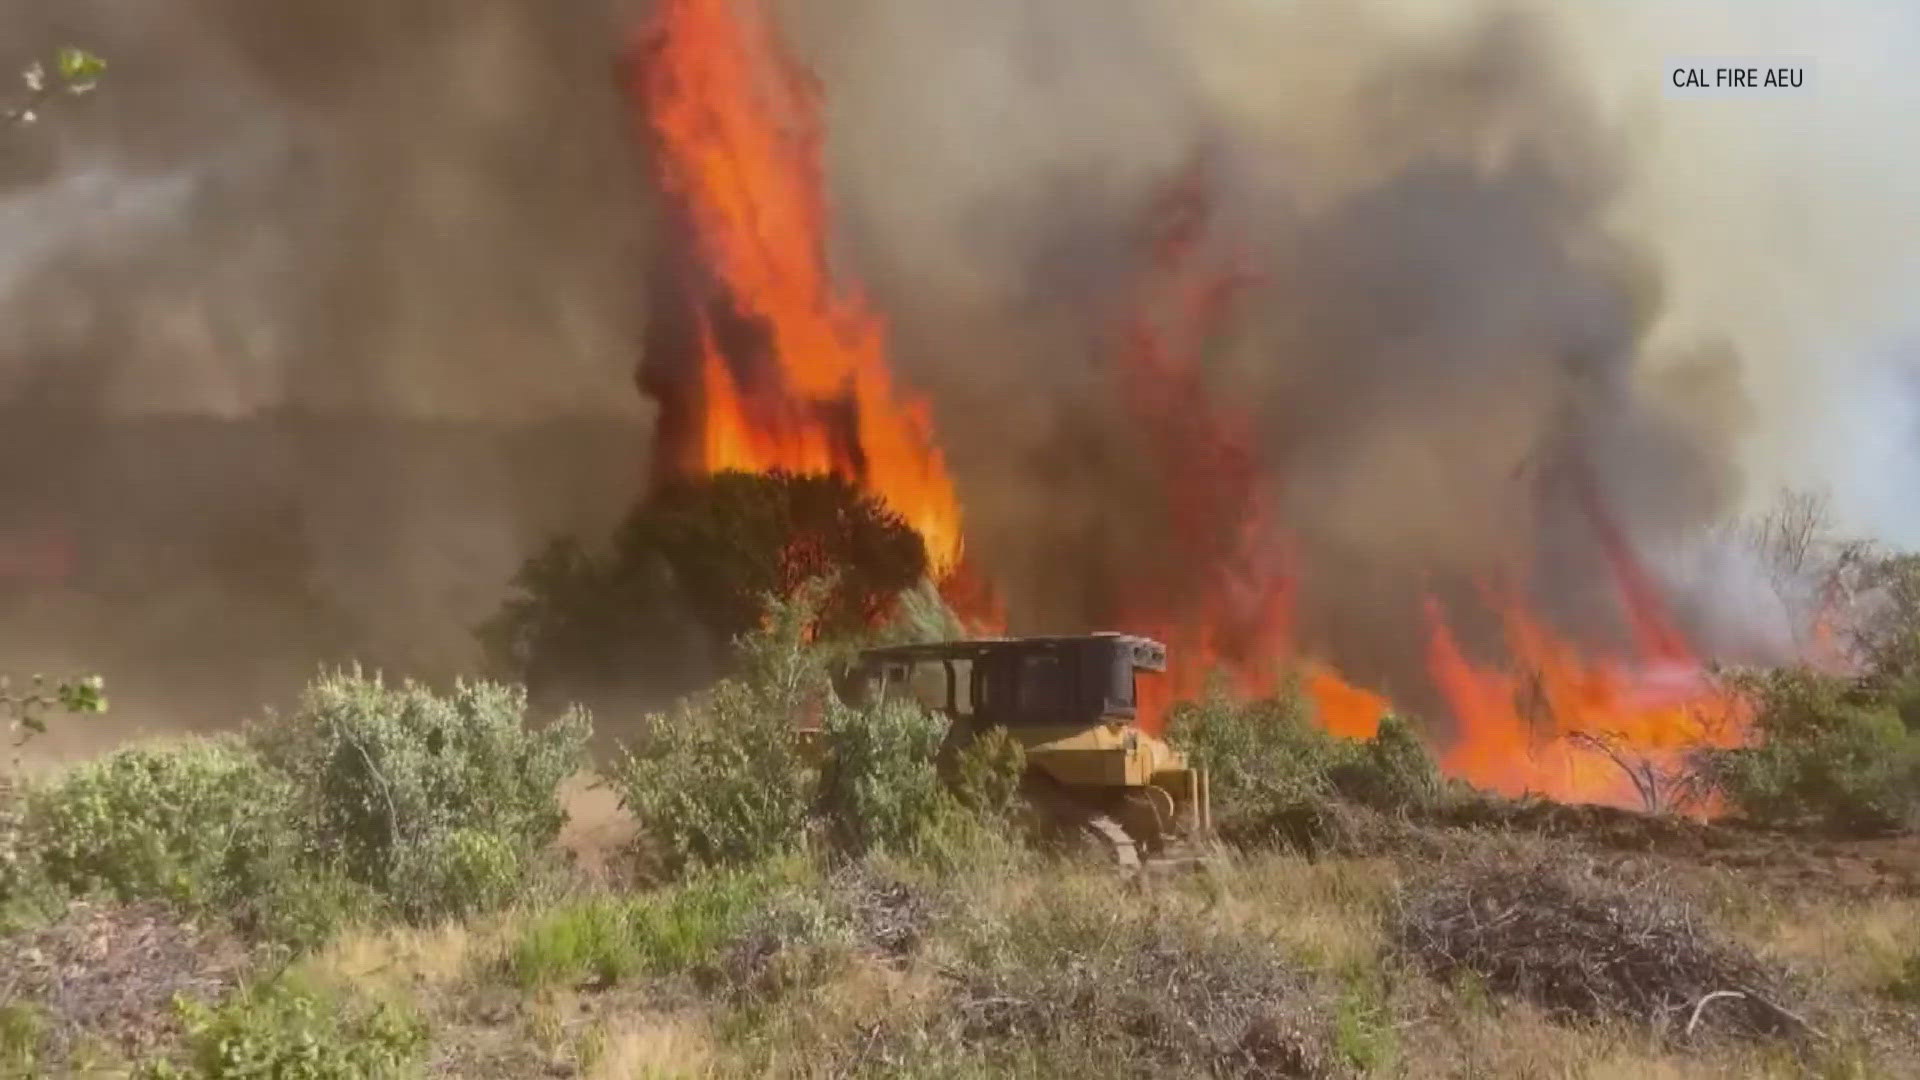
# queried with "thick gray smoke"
point(1447, 329)
point(316, 318)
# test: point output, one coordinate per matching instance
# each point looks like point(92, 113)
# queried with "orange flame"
point(1226, 604)
point(1223, 598)
point(1342, 708)
point(1580, 723)
point(1543, 725)
point(735, 123)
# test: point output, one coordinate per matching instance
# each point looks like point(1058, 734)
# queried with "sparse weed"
point(678, 930)
point(22, 1029)
point(1363, 1033)
point(1904, 985)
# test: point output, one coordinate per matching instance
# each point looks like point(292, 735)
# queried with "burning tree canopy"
point(761, 360)
point(690, 572)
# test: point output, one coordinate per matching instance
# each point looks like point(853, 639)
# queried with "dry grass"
point(421, 960)
point(1275, 964)
point(1325, 913)
point(1455, 1039)
point(1557, 933)
point(1843, 943)
point(653, 1046)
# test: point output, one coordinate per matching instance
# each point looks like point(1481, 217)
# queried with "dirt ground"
point(597, 829)
point(1775, 860)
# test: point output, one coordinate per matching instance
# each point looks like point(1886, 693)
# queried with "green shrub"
point(1392, 770)
point(724, 779)
point(202, 822)
point(719, 782)
point(26, 709)
point(22, 882)
point(301, 901)
point(736, 775)
point(1831, 751)
point(988, 774)
point(1269, 764)
point(1257, 753)
point(880, 788)
point(441, 803)
point(281, 1031)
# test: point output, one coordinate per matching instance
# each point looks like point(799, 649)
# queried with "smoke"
point(1489, 255)
point(314, 319)
point(319, 316)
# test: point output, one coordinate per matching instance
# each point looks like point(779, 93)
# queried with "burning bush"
point(702, 554)
point(1583, 948)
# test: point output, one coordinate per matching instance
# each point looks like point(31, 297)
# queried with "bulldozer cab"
point(1022, 683)
point(1072, 703)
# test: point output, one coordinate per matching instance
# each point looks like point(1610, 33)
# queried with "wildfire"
point(1222, 598)
point(1555, 722)
point(1577, 727)
point(735, 124)
point(1224, 603)
point(787, 368)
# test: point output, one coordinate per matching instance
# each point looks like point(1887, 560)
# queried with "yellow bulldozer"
point(1073, 704)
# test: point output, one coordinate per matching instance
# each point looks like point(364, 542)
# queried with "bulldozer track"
point(1121, 847)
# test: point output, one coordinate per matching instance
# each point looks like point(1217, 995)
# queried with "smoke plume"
point(318, 317)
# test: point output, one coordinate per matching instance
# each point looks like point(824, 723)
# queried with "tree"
point(689, 573)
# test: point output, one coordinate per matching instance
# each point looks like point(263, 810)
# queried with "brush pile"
point(1583, 948)
point(111, 973)
point(1156, 986)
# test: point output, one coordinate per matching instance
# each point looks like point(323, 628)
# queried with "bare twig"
point(1700, 1006)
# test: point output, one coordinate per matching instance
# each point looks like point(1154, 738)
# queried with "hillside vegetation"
point(382, 882)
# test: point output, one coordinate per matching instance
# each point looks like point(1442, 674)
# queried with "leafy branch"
point(27, 710)
point(72, 73)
